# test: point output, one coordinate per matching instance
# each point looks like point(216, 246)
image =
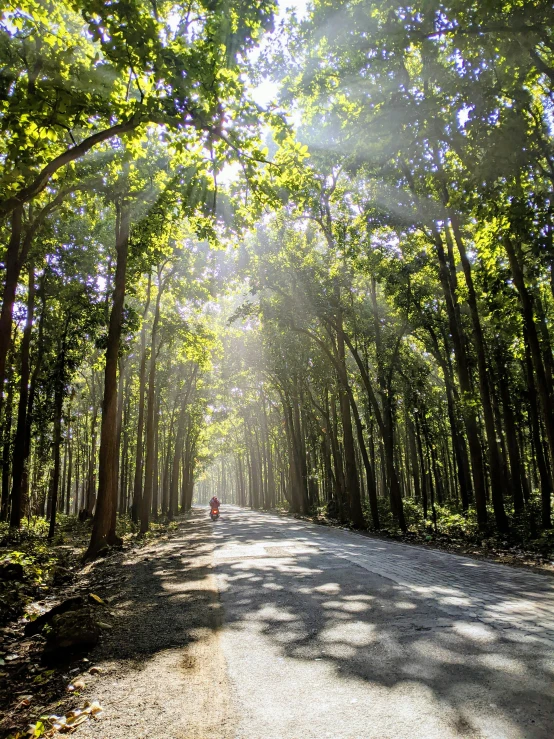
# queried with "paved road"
point(332, 634)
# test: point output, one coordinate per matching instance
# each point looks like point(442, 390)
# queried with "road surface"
point(309, 632)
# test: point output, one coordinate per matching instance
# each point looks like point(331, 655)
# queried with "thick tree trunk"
point(102, 532)
point(13, 267)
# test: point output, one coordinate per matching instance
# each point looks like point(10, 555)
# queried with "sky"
point(267, 90)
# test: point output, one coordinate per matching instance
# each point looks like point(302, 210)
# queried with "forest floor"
point(266, 626)
point(135, 619)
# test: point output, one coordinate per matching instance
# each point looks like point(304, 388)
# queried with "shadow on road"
point(316, 606)
point(423, 646)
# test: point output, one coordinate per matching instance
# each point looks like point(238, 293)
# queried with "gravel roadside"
point(161, 669)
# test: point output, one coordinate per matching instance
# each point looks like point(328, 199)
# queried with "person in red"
point(214, 503)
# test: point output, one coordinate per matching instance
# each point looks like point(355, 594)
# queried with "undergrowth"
point(450, 524)
point(36, 558)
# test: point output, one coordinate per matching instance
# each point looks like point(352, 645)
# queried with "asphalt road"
point(327, 633)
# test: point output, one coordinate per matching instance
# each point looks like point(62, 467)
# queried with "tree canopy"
point(340, 301)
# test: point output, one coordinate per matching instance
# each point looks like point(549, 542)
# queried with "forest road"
point(265, 627)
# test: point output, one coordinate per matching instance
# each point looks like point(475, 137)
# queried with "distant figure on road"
point(214, 503)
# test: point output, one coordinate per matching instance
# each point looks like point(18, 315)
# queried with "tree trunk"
point(146, 502)
point(387, 422)
point(166, 478)
point(179, 443)
point(370, 475)
point(155, 471)
point(352, 481)
point(541, 457)
point(516, 468)
point(495, 461)
point(6, 446)
point(69, 463)
point(102, 532)
point(19, 458)
point(120, 401)
point(462, 367)
point(532, 339)
point(33, 390)
point(13, 268)
point(137, 487)
point(58, 413)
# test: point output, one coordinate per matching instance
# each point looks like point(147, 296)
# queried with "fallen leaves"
point(24, 700)
point(68, 723)
point(96, 599)
point(65, 724)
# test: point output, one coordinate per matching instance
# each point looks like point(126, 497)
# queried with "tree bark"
point(10, 286)
point(495, 461)
point(541, 457)
point(526, 302)
point(102, 531)
point(58, 413)
point(462, 367)
point(6, 446)
point(137, 486)
point(19, 458)
point(146, 502)
point(179, 443)
point(70, 155)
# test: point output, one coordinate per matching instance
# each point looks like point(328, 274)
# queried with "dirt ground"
point(158, 671)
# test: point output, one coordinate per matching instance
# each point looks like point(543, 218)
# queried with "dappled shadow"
point(428, 644)
point(163, 597)
point(160, 600)
point(465, 637)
